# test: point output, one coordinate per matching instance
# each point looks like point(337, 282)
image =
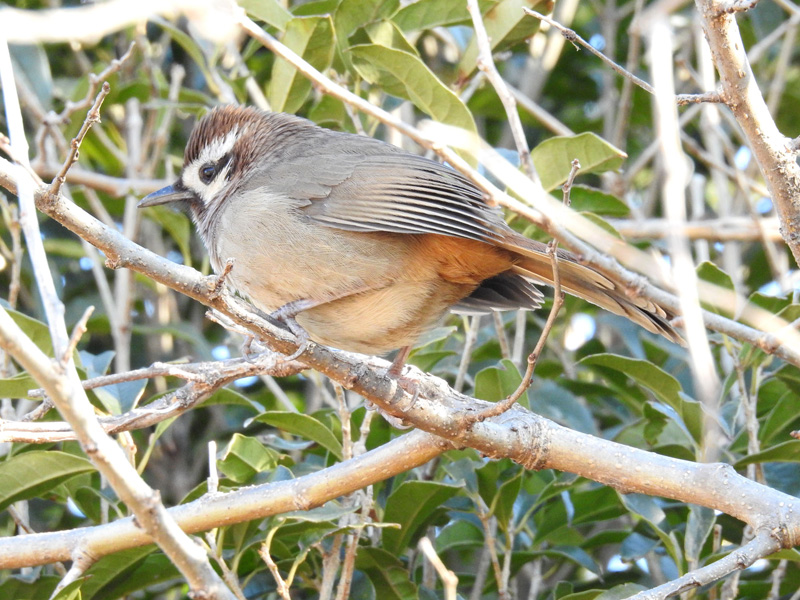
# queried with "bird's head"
point(226, 148)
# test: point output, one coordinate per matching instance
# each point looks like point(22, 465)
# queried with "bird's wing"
point(404, 193)
point(392, 192)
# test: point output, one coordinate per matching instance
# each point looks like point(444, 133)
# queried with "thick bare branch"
point(739, 90)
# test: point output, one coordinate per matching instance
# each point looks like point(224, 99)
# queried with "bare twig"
point(574, 38)
point(762, 545)
point(92, 117)
point(674, 200)
point(77, 334)
point(739, 89)
point(741, 229)
point(263, 552)
point(733, 6)
point(202, 385)
point(449, 579)
point(558, 301)
point(486, 64)
point(466, 353)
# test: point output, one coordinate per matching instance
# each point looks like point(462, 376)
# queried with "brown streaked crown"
point(259, 132)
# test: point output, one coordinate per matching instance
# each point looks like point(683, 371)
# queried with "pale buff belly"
point(371, 298)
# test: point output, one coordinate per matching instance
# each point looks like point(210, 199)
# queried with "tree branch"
point(739, 90)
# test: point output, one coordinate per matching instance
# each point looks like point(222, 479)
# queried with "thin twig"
point(486, 64)
point(571, 36)
point(213, 474)
point(263, 552)
point(205, 379)
point(735, 562)
point(92, 117)
point(449, 579)
point(675, 176)
point(733, 6)
point(466, 352)
point(77, 334)
point(558, 301)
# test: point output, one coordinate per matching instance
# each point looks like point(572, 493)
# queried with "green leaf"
point(644, 506)
point(620, 592)
point(304, 426)
point(783, 416)
point(506, 24)
point(698, 528)
point(35, 473)
point(244, 457)
point(788, 451)
point(585, 595)
point(649, 510)
point(554, 524)
point(271, 12)
point(330, 112)
point(17, 386)
point(330, 512)
point(118, 398)
point(560, 405)
point(71, 591)
point(708, 271)
point(36, 330)
point(312, 39)
point(427, 14)
point(458, 535)
point(588, 199)
point(20, 588)
point(663, 385)
point(384, 33)
point(497, 383)
point(635, 546)
point(412, 505)
point(191, 48)
point(387, 573)
point(503, 504)
point(229, 397)
point(574, 554)
point(404, 75)
point(352, 14)
point(493, 478)
point(553, 157)
point(124, 572)
point(427, 360)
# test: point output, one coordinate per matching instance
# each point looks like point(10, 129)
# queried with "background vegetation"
point(502, 530)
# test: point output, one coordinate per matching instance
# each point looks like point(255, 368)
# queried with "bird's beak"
point(172, 193)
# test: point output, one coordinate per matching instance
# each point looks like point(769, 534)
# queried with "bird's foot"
point(286, 314)
point(249, 352)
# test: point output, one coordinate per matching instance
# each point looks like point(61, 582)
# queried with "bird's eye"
point(208, 172)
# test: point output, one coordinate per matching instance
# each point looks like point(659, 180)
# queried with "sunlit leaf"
point(32, 474)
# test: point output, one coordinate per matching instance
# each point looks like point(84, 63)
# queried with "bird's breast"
point(280, 256)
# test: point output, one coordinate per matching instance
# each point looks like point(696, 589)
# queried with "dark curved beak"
point(172, 193)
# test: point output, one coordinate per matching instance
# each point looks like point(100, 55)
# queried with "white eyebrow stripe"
point(218, 148)
point(211, 153)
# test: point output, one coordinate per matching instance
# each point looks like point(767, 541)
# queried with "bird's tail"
point(584, 282)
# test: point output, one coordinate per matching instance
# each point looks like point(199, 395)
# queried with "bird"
point(361, 244)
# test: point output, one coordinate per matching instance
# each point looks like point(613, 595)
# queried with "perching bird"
point(365, 245)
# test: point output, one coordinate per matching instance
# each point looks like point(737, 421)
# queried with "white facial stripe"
point(219, 147)
point(210, 154)
point(210, 191)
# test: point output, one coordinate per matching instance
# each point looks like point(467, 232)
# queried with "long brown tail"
point(586, 283)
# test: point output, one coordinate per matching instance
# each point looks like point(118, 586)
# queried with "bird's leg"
point(396, 368)
point(286, 314)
